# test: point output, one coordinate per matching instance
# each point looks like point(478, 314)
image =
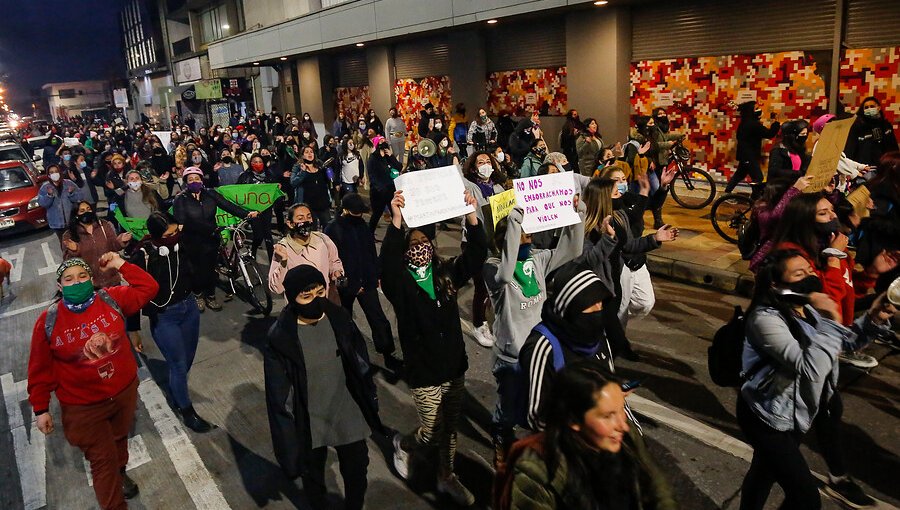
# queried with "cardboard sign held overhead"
point(501, 204)
point(547, 201)
point(825, 160)
point(432, 195)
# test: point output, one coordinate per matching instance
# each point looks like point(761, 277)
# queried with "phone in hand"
point(630, 385)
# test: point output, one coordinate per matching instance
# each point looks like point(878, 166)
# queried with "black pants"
point(380, 200)
point(777, 458)
point(744, 169)
point(382, 336)
point(203, 255)
point(353, 459)
point(262, 232)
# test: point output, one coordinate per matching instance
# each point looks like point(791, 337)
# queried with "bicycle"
point(692, 188)
point(730, 213)
point(237, 264)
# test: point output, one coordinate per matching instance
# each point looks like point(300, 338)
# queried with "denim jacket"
point(787, 391)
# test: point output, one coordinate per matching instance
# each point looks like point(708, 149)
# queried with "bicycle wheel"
point(255, 288)
point(693, 188)
point(729, 213)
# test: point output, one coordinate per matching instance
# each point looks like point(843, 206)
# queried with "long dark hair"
point(769, 274)
point(73, 220)
point(798, 225)
point(888, 175)
point(470, 171)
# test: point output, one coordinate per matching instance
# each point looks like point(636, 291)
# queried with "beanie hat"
point(76, 261)
point(573, 288)
point(301, 278)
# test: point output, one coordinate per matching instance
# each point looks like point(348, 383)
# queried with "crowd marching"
point(564, 436)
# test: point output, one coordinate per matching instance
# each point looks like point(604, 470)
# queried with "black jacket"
point(356, 248)
point(287, 400)
point(199, 216)
point(429, 329)
point(379, 169)
point(160, 267)
point(869, 139)
point(781, 167)
point(750, 134)
point(634, 206)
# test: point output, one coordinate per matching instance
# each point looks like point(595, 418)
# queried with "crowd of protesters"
point(561, 299)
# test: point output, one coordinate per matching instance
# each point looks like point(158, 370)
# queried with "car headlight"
point(33, 203)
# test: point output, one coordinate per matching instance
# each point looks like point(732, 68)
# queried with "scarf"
point(524, 276)
point(72, 307)
point(423, 277)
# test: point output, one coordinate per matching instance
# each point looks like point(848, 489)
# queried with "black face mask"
point(312, 310)
point(227, 160)
point(87, 217)
point(804, 287)
point(302, 229)
point(826, 229)
point(588, 327)
point(663, 124)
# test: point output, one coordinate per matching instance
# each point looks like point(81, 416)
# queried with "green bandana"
point(394, 173)
point(524, 275)
point(422, 276)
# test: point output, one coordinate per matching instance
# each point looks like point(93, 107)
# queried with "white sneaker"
point(483, 335)
point(858, 359)
point(456, 490)
point(401, 458)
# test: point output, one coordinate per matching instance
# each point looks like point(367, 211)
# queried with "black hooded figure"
point(315, 350)
point(871, 135)
point(750, 134)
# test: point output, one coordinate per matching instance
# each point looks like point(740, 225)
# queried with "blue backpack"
point(559, 361)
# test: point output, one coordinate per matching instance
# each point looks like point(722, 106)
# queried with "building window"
point(67, 93)
point(217, 23)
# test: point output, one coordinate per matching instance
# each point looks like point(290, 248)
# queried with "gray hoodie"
point(515, 314)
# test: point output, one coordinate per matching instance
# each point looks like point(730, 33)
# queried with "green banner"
point(208, 89)
point(253, 197)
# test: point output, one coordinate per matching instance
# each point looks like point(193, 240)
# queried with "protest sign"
point(71, 142)
point(501, 204)
point(164, 137)
point(547, 201)
point(253, 197)
point(432, 195)
point(860, 198)
point(137, 226)
point(825, 160)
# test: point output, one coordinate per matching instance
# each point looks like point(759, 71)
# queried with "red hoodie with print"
point(59, 364)
point(837, 282)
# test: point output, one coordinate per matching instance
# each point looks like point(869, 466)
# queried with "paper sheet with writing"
point(501, 204)
point(547, 201)
point(825, 160)
point(860, 198)
point(432, 195)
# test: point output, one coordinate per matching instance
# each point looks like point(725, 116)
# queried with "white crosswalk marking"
point(29, 445)
point(138, 455)
point(17, 260)
point(52, 264)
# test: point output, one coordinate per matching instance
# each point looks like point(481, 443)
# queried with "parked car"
point(12, 151)
point(19, 209)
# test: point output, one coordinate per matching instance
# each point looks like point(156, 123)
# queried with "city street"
point(688, 420)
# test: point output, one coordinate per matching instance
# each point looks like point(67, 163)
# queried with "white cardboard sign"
point(432, 195)
point(547, 201)
point(71, 142)
point(164, 137)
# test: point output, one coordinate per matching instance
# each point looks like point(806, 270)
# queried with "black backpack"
point(748, 236)
point(725, 352)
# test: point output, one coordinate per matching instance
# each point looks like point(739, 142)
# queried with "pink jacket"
point(320, 253)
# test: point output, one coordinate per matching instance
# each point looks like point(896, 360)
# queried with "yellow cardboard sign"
point(860, 198)
point(501, 204)
point(825, 160)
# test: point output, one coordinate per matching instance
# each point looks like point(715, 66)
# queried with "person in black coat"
point(426, 120)
point(315, 350)
point(423, 289)
point(356, 248)
point(789, 160)
point(871, 135)
point(381, 168)
point(750, 134)
point(262, 224)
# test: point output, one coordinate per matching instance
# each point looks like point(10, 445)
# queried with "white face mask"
point(438, 125)
point(134, 185)
point(445, 142)
point(871, 112)
point(485, 170)
point(197, 159)
point(500, 157)
point(54, 177)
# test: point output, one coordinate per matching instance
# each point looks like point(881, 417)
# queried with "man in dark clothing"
point(871, 135)
point(381, 168)
point(300, 363)
point(527, 131)
point(750, 134)
point(425, 120)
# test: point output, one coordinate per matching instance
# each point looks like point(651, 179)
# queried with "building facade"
point(78, 98)
point(145, 60)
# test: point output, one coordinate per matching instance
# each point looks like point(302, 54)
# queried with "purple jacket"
point(768, 220)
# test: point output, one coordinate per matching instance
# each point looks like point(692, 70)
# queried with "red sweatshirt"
point(837, 283)
point(59, 364)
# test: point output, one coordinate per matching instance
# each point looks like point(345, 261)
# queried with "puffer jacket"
point(587, 153)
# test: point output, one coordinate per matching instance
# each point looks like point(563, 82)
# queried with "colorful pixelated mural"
point(413, 94)
point(872, 72)
point(353, 101)
point(509, 91)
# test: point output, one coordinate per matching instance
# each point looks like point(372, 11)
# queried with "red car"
point(19, 209)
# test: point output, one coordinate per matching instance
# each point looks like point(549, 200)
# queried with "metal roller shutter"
point(534, 45)
point(418, 59)
point(692, 29)
point(351, 70)
point(873, 23)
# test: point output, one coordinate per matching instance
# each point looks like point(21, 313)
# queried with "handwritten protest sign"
point(860, 198)
point(137, 226)
point(432, 195)
point(547, 201)
point(501, 204)
point(71, 142)
point(825, 160)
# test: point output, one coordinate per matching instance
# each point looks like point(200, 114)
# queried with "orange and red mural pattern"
point(413, 94)
point(509, 91)
point(353, 101)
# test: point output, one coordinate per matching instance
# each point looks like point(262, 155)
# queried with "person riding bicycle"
point(195, 211)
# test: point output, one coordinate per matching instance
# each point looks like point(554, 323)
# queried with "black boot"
point(193, 421)
point(657, 219)
point(129, 488)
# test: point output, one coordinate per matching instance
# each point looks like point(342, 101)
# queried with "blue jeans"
point(176, 331)
point(511, 398)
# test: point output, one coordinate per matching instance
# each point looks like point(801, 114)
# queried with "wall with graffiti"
point(872, 72)
point(509, 91)
point(412, 94)
point(353, 101)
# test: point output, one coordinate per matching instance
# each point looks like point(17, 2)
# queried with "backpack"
point(53, 311)
point(559, 361)
point(725, 353)
point(748, 238)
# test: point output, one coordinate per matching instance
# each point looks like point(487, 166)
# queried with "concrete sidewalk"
point(699, 256)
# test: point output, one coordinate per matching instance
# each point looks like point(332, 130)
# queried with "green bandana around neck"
point(524, 275)
point(423, 277)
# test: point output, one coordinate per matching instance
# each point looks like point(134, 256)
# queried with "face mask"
point(420, 255)
point(306, 117)
point(663, 125)
point(485, 170)
point(394, 115)
point(312, 310)
point(87, 217)
point(266, 158)
point(540, 151)
point(804, 287)
point(438, 126)
point(500, 157)
point(194, 187)
point(622, 187)
point(445, 143)
point(758, 113)
point(483, 118)
point(134, 185)
point(871, 112)
point(305, 135)
point(801, 140)
point(257, 166)
point(67, 157)
point(197, 159)
point(588, 326)
point(55, 177)
point(302, 229)
point(227, 160)
point(524, 251)
point(78, 293)
point(826, 229)
point(362, 126)
point(82, 165)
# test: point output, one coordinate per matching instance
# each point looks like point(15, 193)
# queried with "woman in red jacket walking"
point(80, 350)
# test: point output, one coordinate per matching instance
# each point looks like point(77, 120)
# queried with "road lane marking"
point(29, 445)
point(196, 478)
point(18, 261)
point(36, 306)
point(138, 455)
point(52, 265)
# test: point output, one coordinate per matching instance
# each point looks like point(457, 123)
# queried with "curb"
point(723, 280)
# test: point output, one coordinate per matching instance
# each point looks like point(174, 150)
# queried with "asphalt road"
point(689, 421)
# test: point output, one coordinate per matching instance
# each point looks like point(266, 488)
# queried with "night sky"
point(46, 41)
